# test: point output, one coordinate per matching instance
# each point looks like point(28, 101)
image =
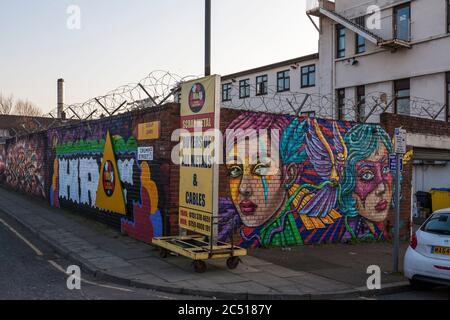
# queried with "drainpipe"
point(333, 68)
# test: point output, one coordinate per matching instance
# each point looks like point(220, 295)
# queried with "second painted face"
point(373, 191)
point(256, 187)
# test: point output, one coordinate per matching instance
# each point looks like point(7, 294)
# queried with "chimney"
point(60, 98)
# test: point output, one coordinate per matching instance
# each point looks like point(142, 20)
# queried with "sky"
point(122, 41)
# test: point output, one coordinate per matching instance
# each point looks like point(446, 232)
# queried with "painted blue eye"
point(261, 170)
point(386, 170)
point(235, 172)
point(368, 176)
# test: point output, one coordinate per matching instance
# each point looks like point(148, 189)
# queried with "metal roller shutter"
point(431, 154)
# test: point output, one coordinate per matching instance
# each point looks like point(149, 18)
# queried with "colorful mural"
point(77, 173)
point(102, 175)
point(109, 189)
point(23, 166)
point(333, 183)
point(147, 222)
point(2, 163)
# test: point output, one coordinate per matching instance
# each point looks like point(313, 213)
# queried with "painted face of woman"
point(374, 180)
point(256, 187)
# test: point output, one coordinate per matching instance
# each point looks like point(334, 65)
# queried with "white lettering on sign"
point(400, 141)
point(145, 154)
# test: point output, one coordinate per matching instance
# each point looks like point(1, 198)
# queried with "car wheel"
point(420, 285)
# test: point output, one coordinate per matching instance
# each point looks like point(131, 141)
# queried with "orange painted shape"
point(55, 175)
point(307, 222)
point(150, 186)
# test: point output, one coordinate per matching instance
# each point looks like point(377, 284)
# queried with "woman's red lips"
point(248, 208)
point(382, 205)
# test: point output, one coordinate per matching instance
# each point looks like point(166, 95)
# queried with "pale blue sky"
point(121, 41)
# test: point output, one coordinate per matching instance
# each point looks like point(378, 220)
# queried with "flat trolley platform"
point(199, 249)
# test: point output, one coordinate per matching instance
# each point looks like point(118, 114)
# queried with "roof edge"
point(271, 66)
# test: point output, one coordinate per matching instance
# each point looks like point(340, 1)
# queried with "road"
point(432, 294)
point(30, 270)
point(435, 294)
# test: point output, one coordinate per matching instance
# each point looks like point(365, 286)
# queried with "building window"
point(309, 76)
point(448, 16)
point(448, 96)
point(360, 44)
point(361, 103)
point(402, 22)
point(261, 85)
point(360, 41)
point(340, 95)
point(244, 88)
point(283, 81)
point(226, 92)
point(340, 40)
point(403, 95)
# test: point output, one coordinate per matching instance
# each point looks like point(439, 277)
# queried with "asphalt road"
point(30, 270)
point(436, 294)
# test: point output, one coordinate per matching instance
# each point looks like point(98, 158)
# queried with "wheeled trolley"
point(200, 249)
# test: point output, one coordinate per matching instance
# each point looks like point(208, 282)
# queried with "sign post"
point(199, 152)
point(400, 150)
point(207, 38)
point(199, 182)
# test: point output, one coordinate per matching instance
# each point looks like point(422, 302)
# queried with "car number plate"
point(441, 250)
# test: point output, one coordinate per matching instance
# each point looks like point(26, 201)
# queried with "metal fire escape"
point(326, 8)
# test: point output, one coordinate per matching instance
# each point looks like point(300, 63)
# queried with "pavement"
point(320, 272)
point(345, 263)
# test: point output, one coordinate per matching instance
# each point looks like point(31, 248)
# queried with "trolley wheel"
point(200, 266)
point(233, 262)
point(163, 253)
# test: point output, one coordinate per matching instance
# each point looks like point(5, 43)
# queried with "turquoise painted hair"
point(362, 141)
point(292, 139)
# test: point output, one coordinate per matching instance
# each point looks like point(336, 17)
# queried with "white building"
point(266, 88)
point(396, 47)
point(380, 56)
point(393, 57)
point(374, 56)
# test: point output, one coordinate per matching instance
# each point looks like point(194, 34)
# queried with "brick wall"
point(23, 164)
point(415, 125)
point(68, 167)
point(331, 185)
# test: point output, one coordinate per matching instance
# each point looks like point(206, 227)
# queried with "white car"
point(427, 260)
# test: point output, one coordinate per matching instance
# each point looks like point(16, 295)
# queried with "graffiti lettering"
point(68, 180)
point(89, 176)
point(23, 168)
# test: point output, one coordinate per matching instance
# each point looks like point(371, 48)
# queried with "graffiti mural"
point(76, 171)
point(110, 194)
point(2, 163)
point(331, 183)
point(23, 166)
point(98, 172)
point(147, 221)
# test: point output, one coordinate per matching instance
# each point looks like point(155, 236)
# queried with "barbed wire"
point(366, 109)
point(160, 87)
point(152, 91)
